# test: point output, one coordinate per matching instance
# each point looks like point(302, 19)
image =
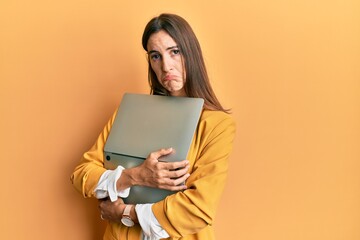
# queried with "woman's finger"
point(173, 174)
point(173, 165)
point(162, 152)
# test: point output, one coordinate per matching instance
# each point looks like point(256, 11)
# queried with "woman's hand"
point(111, 211)
point(157, 174)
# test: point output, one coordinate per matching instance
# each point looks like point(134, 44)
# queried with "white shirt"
point(106, 187)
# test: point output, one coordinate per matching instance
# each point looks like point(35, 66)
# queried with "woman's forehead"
point(160, 40)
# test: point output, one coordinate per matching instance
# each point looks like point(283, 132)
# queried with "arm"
point(165, 175)
point(192, 210)
point(151, 173)
point(116, 183)
point(90, 173)
point(140, 213)
point(87, 174)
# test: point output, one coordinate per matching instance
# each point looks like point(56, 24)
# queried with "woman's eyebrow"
point(152, 51)
point(173, 47)
point(169, 48)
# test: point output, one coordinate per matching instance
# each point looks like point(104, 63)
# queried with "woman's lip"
point(169, 77)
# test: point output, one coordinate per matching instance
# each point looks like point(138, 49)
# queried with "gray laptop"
point(145, 124)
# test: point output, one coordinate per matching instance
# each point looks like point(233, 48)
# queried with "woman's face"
point(167, 62)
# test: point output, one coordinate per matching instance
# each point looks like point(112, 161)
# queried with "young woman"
point(176, 68)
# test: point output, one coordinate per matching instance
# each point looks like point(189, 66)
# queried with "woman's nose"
point(166, 64)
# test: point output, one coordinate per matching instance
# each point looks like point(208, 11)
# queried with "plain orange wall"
point(290, 70)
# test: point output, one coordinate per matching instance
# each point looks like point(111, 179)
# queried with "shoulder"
point(216, 117)
point(217, 121)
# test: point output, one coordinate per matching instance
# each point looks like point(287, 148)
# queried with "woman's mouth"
point(169, 77)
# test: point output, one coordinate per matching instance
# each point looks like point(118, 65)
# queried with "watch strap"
point(127, 210)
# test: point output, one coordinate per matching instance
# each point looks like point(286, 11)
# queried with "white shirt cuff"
point(150, 226)
point(107, 185)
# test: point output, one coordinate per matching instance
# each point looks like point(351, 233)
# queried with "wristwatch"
point(126, 219)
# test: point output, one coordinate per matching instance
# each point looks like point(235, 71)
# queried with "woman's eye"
point(155, 56)
point(176, 51)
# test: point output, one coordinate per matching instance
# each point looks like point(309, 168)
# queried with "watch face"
point(127, 221)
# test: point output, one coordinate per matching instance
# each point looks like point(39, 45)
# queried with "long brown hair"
point(197, 82)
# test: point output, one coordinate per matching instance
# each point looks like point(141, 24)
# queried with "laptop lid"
point(147, 123)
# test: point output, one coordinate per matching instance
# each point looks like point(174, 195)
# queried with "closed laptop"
point(145, 124)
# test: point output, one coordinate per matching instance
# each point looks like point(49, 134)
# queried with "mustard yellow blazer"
point(187, 214)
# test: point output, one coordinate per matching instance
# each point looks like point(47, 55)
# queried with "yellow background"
point(290, 70)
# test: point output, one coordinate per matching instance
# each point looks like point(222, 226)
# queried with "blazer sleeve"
point(87, 174)
point(190, 211)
